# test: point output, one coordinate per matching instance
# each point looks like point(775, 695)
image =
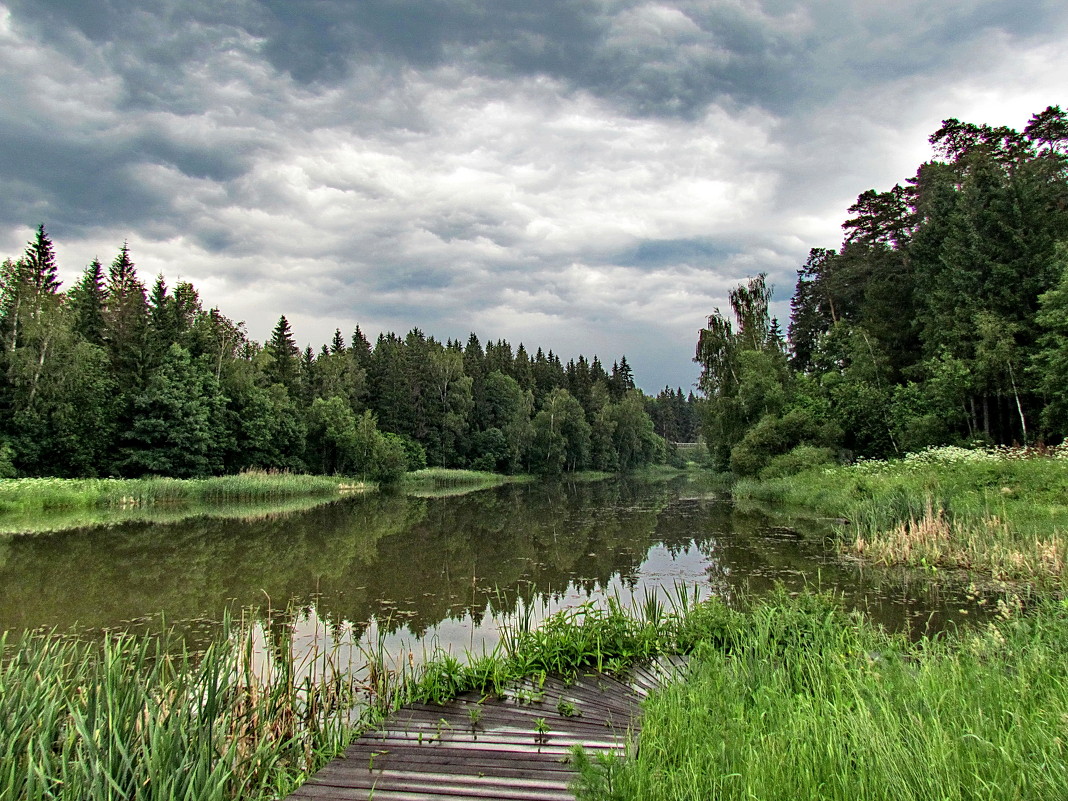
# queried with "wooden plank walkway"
point(515, 748)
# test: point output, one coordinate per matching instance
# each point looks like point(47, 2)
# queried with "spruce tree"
point(87, 300)
point(285, 357)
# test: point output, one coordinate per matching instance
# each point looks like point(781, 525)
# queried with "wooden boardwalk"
point(515, 748)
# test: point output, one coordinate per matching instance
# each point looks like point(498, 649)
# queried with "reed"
point(435, 482)
point(604, 638)
point(802, 700)
point(1002, 512)
point(141, 717)
point(27, 495)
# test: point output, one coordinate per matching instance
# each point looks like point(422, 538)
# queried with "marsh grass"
point(64, 519)
point(440, 482)
point(799, 699)
point(27, 495)
point(1002, 512)
point(136, 716)
point(609, 637)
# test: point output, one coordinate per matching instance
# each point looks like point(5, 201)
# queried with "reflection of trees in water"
point(102, 577)
point(480, 552)
point(417, 562)
point(420, 560)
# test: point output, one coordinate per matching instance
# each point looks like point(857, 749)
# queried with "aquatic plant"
point(142, 717)
point(999, 511)
point(40, 494)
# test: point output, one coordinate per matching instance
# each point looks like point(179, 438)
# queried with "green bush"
point(803, 457)
point(7, 453)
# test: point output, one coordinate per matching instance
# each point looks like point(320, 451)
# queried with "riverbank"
point(47, 505)
point(141, 716)
point(798, 699)
point(998, 513)
point(789, 697)
point(56, 520)
point(795, 698)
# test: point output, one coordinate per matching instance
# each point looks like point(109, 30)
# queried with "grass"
point(792, 698)
point(1000, 512)
point(64, 519)
point(27, 495)
point(140, 717)
point(798, 699)
point(439, 482)
point(603, 638)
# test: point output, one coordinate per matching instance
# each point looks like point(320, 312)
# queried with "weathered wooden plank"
point(463, 764)
point(426, 752)
point(549, 744)
point(438, 785)
point(491, 719)
point(412, 780)
point(383, 793)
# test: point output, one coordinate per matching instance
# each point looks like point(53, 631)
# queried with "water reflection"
point(440, 568)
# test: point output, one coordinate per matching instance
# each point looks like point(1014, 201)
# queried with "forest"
point(942, 318)
point(112, 378)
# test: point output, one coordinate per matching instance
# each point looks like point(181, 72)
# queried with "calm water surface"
point(426, 572)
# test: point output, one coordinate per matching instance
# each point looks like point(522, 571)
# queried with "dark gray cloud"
point(576, 175)
point(650, 58)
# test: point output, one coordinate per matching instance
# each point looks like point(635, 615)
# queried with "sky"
point(587, 177)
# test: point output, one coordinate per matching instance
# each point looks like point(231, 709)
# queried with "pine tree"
point(40, 264)
point(361, 348)
point(126, 321)
point(176, 429)
point(285, 357)
point(87, 300)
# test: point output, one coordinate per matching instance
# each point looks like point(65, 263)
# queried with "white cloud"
point(542, 205)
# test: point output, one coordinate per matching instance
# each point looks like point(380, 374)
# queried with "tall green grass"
point(591, 637)
point(139, 717)
point(1002, 512)
point(796, 699)
point(64, 519)
point(436, 482)
point(41, 494)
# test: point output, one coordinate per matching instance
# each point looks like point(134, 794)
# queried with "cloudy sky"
point(588, 177)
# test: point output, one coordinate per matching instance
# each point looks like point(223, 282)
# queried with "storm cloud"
point(582, 176)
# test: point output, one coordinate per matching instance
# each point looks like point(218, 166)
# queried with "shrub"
point(803, 457)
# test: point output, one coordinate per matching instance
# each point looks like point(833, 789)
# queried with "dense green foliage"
point(797, 699)
point(109, 378)
point(941, 320)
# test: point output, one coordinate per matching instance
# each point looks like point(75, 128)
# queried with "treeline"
point(113, 378)
point(942, 319)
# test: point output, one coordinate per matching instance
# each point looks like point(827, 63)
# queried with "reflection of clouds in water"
point(660, 574)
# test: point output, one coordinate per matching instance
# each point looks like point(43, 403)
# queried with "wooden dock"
point(515, 748)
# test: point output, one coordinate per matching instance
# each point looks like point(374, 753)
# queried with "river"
point(424, 572)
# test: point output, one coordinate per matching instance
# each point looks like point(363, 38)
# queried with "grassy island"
point(44, 494)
